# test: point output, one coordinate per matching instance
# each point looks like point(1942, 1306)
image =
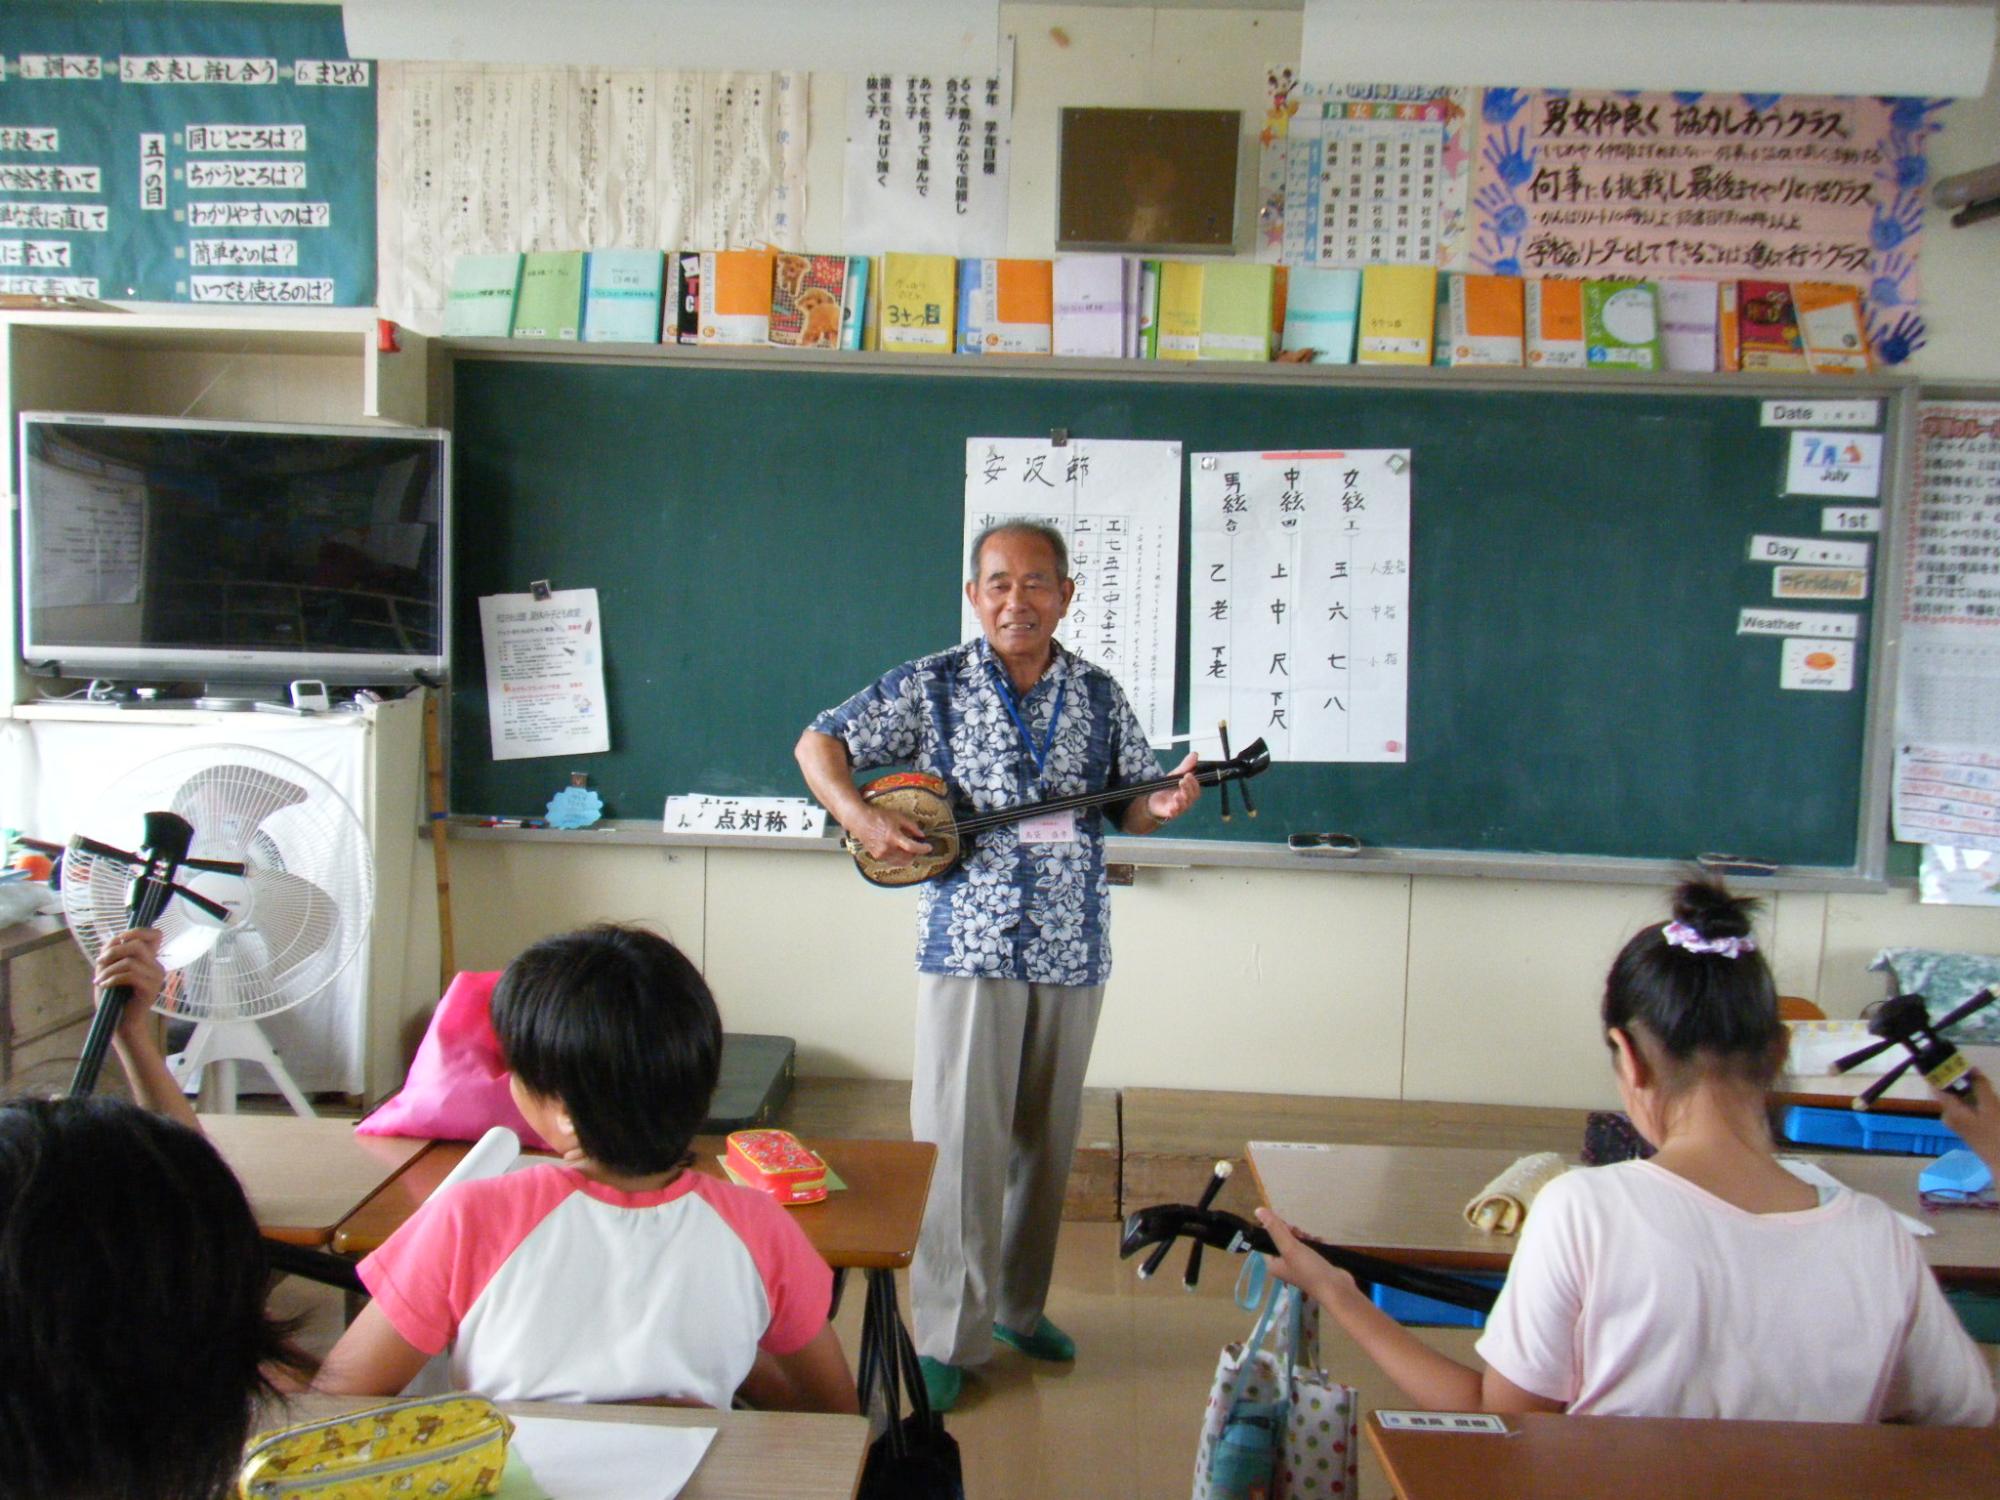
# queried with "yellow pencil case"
point(436, 1447)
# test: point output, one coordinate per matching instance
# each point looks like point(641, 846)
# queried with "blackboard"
point(766, 540)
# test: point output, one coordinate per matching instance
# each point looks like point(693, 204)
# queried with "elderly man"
point(1012, 950)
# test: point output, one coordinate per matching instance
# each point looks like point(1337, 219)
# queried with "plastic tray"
point(1854, 1130)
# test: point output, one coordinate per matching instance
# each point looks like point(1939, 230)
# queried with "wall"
point(1427, 988)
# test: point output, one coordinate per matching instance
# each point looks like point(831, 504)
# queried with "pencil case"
point(439, 1447)
point(779, 1163)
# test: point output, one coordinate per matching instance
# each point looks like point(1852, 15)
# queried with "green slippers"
point(1046, 1342)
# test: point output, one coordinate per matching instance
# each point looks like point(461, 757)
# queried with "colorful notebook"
point(1398, 305)
point(1236, 310)
point(621, 296)
point(1089, 313)
point(808, 296)
point(1014, 306)
point(1728, 328)
point(854, 312)
point(1553, 316)
point(1768, 327)
point(1441, 318)
point(1179, 317)
point(971, 335)
point(687, 322)
point(1621, 325)
point(736, 296)
point(1322, 306)
point(1487, 321)
point(919, 303)
point(549, 304)
point(1831, 327)
point(481, 302)
point(1149, 309)
point(1690, 315)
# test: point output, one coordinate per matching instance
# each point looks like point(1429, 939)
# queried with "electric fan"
point(249, 944)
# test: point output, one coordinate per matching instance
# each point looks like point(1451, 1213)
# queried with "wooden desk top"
point(872, 1225)
point(755, 1455)
point(1553, 1457)
point(304, 1176)
point(1405, 1203)
point(1908, 1095)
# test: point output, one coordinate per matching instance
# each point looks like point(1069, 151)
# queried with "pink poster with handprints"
point(1721, 186)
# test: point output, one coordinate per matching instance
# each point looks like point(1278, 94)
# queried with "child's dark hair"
point(1698, 987)
point(617, 1024)
point(132, 1286)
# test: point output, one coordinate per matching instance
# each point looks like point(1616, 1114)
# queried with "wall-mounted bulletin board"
point(1606, 662)
point(202, 153)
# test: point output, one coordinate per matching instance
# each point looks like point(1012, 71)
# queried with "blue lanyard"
point(1040, 755)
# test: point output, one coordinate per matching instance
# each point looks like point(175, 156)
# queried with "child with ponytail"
point(1707, 1281)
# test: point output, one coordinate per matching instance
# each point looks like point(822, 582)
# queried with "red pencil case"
point(779, 1163)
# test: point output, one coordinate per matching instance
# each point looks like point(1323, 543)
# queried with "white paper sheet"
point(926, 167)
point(475, 159)
point(544, 674)
point(1299, 601)
point(609, 1460)
point(1835, 463)
point(1118, 506)
point(702, 813)
point(1813, 1173)
point(1947, 794)
point(1958, 877)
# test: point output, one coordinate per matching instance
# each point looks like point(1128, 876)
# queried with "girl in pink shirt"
point(617, 1273)
point(1707, 1281)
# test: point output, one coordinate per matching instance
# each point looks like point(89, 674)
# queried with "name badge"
point(1050, 828)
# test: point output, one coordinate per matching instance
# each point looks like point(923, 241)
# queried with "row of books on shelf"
point(1114, 306)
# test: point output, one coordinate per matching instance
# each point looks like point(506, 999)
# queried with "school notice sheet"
point(1299, 601)
point(480, 160)
point(927, 162)
point(560, 1458)
point(544, 674)
point(1947, 789)
point(1117, 505)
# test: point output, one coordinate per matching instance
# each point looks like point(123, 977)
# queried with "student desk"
point(1405, 1203)
point(1553, 1457)
point(303, 1177)
point(755, 1454)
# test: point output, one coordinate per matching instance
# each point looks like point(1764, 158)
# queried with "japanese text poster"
point(544, 674)
point(927, 163)
point(1299, 601)
point(1118, 505)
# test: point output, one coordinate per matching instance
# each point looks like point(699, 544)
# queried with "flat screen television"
point(241, 555)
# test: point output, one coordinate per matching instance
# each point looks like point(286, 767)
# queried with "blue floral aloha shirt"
point(1011, 910)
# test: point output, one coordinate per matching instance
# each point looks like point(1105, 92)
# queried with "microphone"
point(167, 839)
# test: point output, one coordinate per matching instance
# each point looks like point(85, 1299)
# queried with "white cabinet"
point(349, 1038)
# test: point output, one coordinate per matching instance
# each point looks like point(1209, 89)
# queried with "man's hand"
point(1166, 805)
point(890, 838)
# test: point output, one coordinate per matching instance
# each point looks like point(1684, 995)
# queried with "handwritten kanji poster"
point(1948, 688)
point(544, 674)
point(1299, 601)
point(1790, 187)
point(186, 153)
point(926, 168)
point(1118, 506)
point(480, 160)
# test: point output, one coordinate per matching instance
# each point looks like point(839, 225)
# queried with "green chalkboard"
point(765, 541)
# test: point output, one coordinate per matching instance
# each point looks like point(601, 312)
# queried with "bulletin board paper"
point(927, 157)
point(544, 674)
point(186, 153)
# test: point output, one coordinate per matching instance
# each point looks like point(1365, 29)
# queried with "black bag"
point(1608, 1136)
point(915, 1459)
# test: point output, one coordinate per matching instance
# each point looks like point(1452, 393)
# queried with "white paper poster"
point(927, 162)
point(1118, 506)
point(477, 159)
point(1298, 601)
point(1948, 681)
point(544, 674)
point(1835, 463)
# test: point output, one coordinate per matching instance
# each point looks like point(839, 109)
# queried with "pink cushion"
point(457, 1088)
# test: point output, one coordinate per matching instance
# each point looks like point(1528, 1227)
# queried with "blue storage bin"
point(1857, 1130)
point(1428, 1312)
